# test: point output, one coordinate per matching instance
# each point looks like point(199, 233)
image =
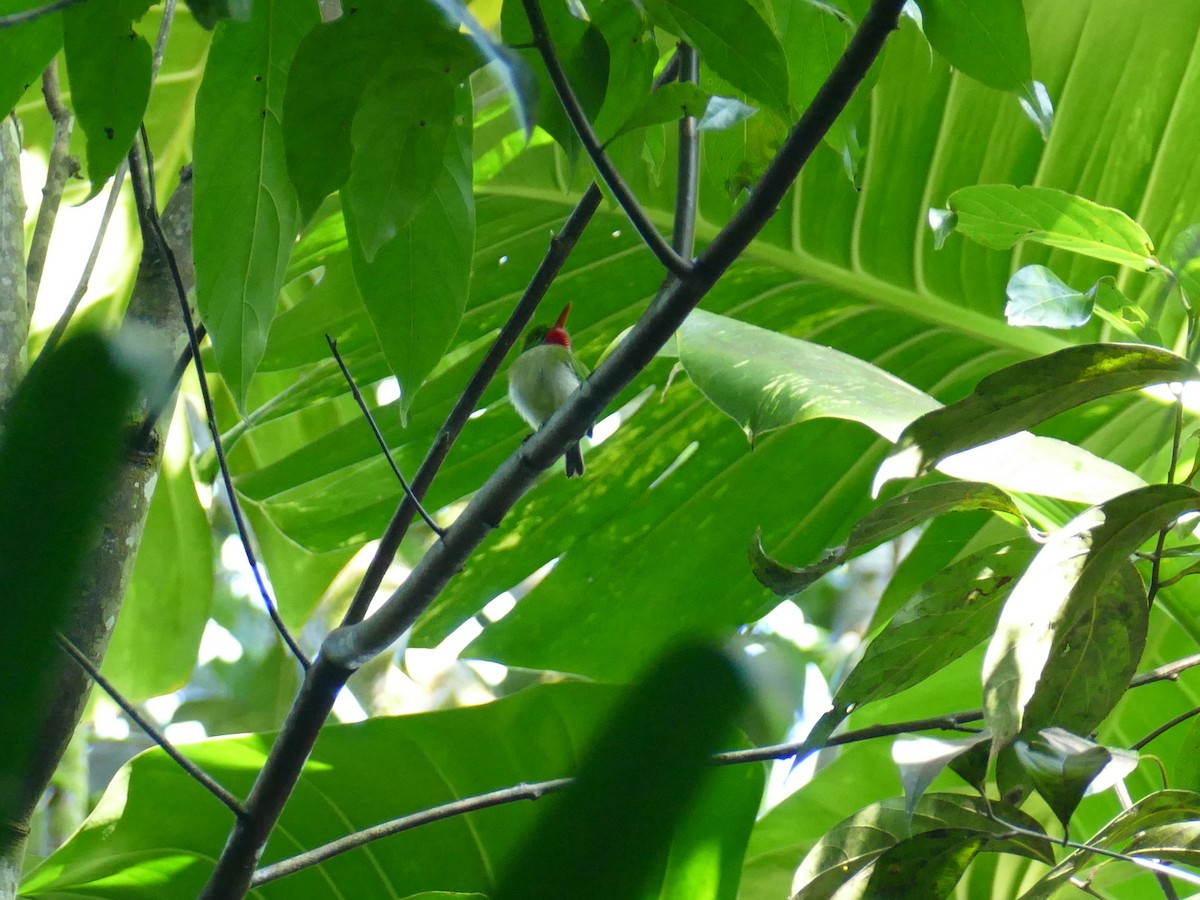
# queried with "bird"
point(542, 378)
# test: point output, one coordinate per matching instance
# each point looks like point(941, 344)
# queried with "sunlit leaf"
point(987, 41)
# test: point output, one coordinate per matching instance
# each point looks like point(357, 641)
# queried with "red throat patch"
point(558, 336)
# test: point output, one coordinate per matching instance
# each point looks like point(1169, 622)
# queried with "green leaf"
point(516, 75)
point(890, 519)
point(1062, 765)
point(859, 844)
point(209, 12)
point(1001, 215)
point(584, 56)
point(668, 103)
point(246, 214)
point(128, 849)
point(731, 37)
point(724, 112)
point(921, 759)
point(951, 613)
point(607, 834)
point(109, 67)
point(1036, 296)
point(415, 288)
point(400, 134)
point(987, 41)
point(1080, 576)
point(157, 635)
point(62, 443)
point(927, 865)
point(25, 50)
point(1159, 809)
point(1023, 395)
point(318, 110)
point(1095, 652)
point(1184, 260)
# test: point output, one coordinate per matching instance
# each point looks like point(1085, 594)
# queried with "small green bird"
point(542, 378)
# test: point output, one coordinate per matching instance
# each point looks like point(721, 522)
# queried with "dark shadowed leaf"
point(1001, 215)
point(889, 520)
point(1080, 575)
point(951, 613)
point(1061, 766)
point(209, 12)
point(1023, 395)
point(607, 834)
point(668, 103)
point(1159, 809)
point(731, 37)
point(921, 759)
point(987, 41)
point(63, 437)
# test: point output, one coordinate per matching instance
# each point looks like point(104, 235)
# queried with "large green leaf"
point(246, 213)
point(25, 50)
point(129, 849)
point(987, 41)
point(852, 270)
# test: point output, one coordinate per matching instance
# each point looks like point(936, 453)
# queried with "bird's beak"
point(562, 317)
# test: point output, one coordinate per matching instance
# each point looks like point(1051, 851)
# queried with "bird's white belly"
point(540, 381)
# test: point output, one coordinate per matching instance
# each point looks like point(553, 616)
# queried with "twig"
point(540, 789)
point(148, 212)
point(366, 411)
point(60, 326)
point(318, 855)
point(60, 167)
point(29, 15)
point(348, 647)
point(683, 234)
point(152, 732)
point(674, 263)
point(1164, 728)
point(1167, 672)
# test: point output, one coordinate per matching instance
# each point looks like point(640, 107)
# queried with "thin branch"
point(318, 855)
point(537, 790)
point(561, 246)
point(1164, 728)
point(60, 167)
point(198, 774)
point(687, 184)
point(1167, 672)
point(29, 15)
point(674, 263)
point(148, 213)
point(348, 647)
point(379, 439)
point(60, 327)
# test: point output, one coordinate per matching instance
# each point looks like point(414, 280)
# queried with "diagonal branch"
point(674, 263)
point(207, 781)
point(352, 645)
point(379, 439)
point(148, 214)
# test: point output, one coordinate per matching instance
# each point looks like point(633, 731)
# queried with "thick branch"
point(687, 184)
point(15, 308)
point(350, 646)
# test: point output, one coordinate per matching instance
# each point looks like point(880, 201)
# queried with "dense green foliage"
point(939, 365)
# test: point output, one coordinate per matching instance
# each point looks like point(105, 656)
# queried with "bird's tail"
point(574, 460)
